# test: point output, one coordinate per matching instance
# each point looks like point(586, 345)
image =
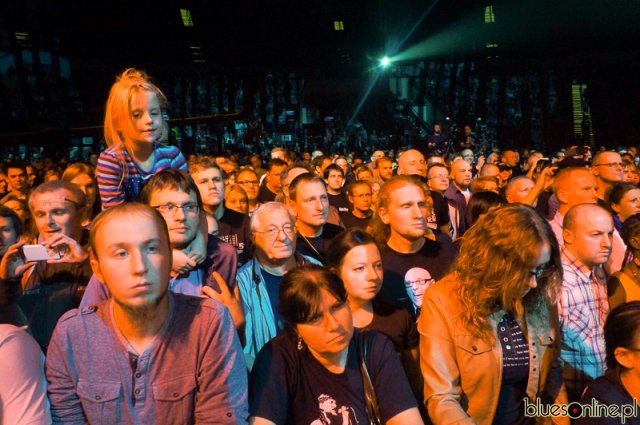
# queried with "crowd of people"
point(150, 287)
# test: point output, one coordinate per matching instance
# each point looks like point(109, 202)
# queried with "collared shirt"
point(582, 309)
point(457, 209)
point(193, 370)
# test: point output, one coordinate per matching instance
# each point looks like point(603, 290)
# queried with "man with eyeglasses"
point(438, 182)
point(360, 195)
point(248, 179)
point(411, 162)
point(273, 233)
point(607, 168)
point(174, 194)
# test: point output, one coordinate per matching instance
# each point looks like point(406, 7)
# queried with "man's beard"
point(141, 313)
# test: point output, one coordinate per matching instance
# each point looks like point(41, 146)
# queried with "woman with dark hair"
point(489, 335)
point(481, 203)
point(624, 199)
point(620, 385)
point(312, 373)
point(624, 285)
point(354, 256)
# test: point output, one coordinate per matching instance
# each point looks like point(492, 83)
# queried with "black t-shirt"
point(440, 214)
point(340, 202)
point(289, 386)
point(317, 247)
point(234, 229)
point(407, 276)
point(265, 195)
point(349, 220)
point(395, 323)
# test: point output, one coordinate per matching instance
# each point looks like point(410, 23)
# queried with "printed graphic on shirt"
point(416, 281)
point(331, 414)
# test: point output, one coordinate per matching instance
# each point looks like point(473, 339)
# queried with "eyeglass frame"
point(171, 208)
point(610, 164)
point(277, 230)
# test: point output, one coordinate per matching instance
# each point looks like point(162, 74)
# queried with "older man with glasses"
point(273, 232)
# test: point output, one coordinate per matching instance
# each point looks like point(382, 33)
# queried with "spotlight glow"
point(385, 62)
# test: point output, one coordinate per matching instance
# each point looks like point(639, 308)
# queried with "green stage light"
point(385, 62)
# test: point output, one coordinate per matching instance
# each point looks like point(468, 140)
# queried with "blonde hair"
point(494, 267)
point(377, 228)
point(117, 118)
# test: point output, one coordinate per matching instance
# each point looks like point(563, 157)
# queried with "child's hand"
point(182, 263)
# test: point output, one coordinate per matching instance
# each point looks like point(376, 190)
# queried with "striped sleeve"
point(110, 179)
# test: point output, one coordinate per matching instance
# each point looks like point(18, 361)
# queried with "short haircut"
point(376, 162)
point(300, 293)
point(16, 164)
point(285, 173)
point(511, 183)
point(355, 184)
point(76, 196)
point(318, 160)
point(330, 168)
point(565, 177)
point(304, 178)
point(437, 165)
point(275, 162)
point(362, 169)
point(173, 179)
point(596, 158)
point(203, 163)
point(267, 209)
point(16, 224)
point(478, 184)
point(127, 208)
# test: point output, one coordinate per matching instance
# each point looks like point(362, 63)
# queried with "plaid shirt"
point(583, 308)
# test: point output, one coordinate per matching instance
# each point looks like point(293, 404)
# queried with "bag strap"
point(363, 342)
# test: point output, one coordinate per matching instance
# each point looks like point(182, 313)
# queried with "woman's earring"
point(299, 344)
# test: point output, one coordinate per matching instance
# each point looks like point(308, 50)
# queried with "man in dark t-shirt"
point(309, 200)
point(271, 185)
point(360, 195)
point(411, 262)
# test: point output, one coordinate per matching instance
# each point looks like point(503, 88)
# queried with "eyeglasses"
point(190, 208)
point(610, 164)
point(541, 271)
point(273, 232)
point(249, 182)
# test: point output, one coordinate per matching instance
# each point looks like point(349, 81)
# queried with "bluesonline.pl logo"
point(595, 409)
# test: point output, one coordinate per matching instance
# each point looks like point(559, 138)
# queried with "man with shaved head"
point(583, 305)
point(573, 186)
point(458, 195)
point(412, 162)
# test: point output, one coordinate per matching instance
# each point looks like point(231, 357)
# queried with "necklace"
point(633, 269)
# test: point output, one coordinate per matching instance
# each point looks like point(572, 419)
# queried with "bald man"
point(583, 305)
point(458, 195)
point(412, 162)
point(577, 185)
